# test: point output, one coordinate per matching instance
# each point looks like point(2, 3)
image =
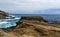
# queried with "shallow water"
point(5, 23)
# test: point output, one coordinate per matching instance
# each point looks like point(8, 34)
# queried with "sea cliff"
point(5, 15)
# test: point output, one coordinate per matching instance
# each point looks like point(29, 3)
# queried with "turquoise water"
point(5, 23)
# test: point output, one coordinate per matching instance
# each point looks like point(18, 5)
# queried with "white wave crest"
point(17, 18)
point(4, 22)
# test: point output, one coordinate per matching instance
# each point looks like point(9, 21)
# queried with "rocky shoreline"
point(4, 15)
point(31, 26)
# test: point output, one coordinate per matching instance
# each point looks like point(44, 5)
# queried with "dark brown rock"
point(4, 15)
point(33, 19)
point(38, 18)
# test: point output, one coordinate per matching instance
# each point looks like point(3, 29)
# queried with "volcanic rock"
point(31, 26)
point(4, 15)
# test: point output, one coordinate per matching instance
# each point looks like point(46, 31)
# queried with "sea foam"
point(5, 23)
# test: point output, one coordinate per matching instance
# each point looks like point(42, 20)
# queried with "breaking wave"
point(5, 23)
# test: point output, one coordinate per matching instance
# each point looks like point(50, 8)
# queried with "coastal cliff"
point(31, 26)
point(4, 15)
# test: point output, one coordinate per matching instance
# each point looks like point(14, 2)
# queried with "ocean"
point(48, 17)
point(5, 23)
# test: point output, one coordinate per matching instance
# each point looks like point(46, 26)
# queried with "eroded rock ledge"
point(31, 26)
point(4, 15)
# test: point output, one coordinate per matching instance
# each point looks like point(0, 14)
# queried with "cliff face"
point(31, 26)
point(4, 15)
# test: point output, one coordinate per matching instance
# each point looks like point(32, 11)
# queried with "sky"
point(30, 6)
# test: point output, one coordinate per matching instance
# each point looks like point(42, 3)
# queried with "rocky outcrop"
point(32, 26)
point(37, 18)
point(32, 19)
point(4, 15)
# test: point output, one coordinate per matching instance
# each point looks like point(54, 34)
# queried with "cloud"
point(28, 5)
